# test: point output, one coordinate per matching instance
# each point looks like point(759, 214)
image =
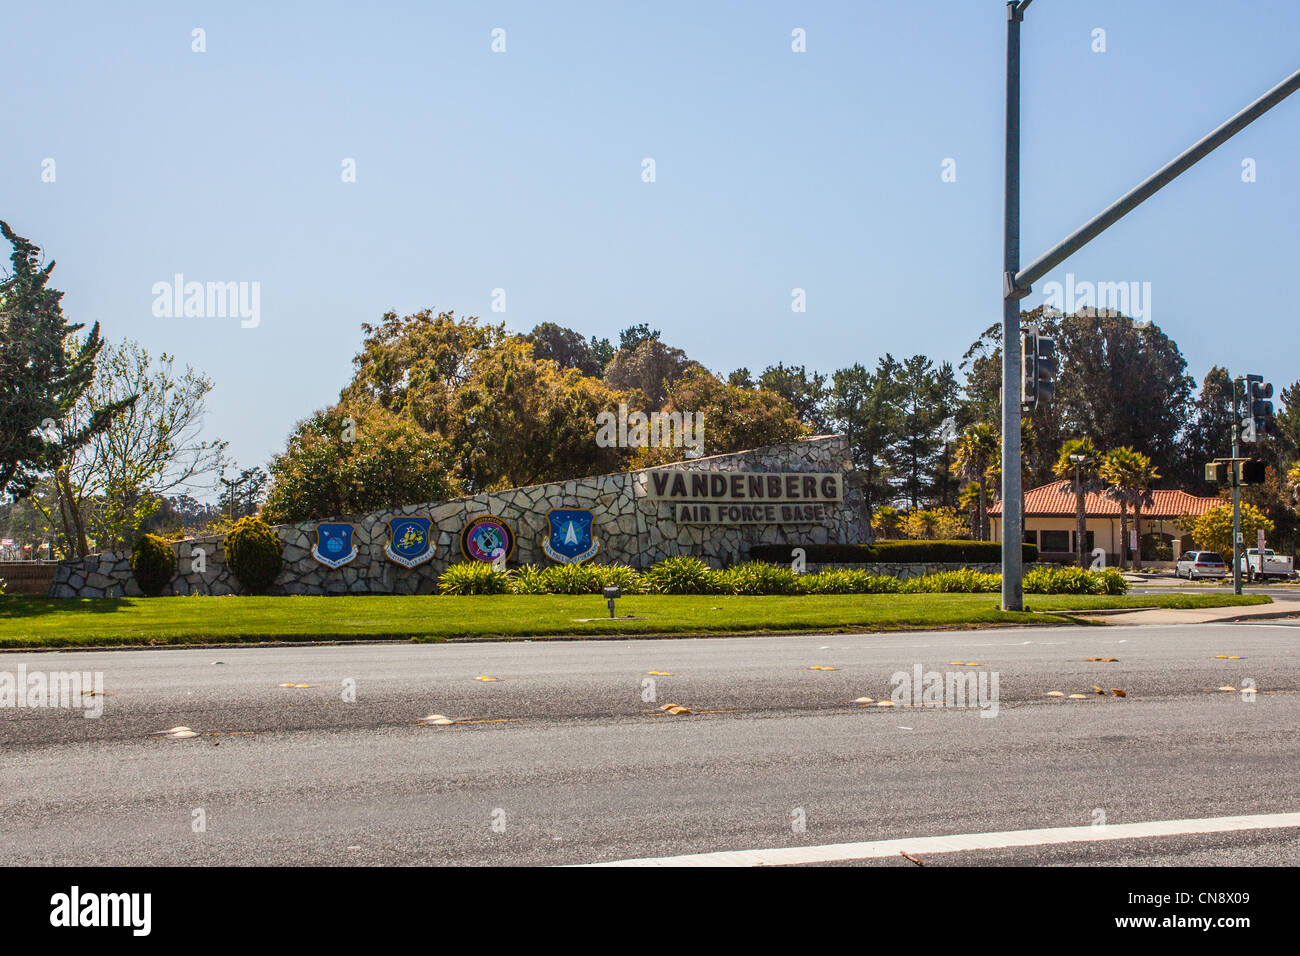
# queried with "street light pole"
point(1236, 491)
point(1012, 501)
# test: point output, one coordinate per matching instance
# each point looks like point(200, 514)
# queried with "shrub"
point(1072, 580)
point(618, 576)
point(755, 577)
point(679, 575)
point(964, 581)
point(529, 579)
point(473, 577)
point(153, 562)
point(254, 553)
point(848, 581)
point(572, 579)
point(901, 552)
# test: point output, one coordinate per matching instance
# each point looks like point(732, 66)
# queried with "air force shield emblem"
point(410, 540)
point(569, 538)
point(334, 546)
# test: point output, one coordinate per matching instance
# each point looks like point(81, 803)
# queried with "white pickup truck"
point(1266, 564)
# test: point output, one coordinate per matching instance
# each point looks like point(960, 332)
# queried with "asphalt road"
point(561, 760)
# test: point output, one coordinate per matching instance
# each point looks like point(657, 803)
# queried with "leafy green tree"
point(412, 365)
point(925, 402)
point(864, 405)
point(152, 446)
point(887, 523)
point(649, 367)
point(569, 349)
point(517, 421)
point(241, 495)
point(1131, 476)
point(631, 337)
point(44, 371)
point(806, 393)
point(734, 418)
point(1209, 435)
point(1212, 531)
point(1080, 465)
point(977, 449)
point(356, 457)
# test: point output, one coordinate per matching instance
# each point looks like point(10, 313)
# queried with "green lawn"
point(40, 622)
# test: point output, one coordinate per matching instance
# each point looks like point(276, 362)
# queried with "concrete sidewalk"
point(1206, 615)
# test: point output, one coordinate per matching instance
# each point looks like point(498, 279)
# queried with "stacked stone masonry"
point(632, 530)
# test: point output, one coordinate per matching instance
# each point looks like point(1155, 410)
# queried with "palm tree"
point(1131, 475)
point(1080, 465)
point(968, 500)
point(977, 447)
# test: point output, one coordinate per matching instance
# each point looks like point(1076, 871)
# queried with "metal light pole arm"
point(1162, 177)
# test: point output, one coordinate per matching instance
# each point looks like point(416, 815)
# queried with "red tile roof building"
point(1050, 521)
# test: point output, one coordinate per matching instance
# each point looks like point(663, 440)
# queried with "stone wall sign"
point(678, 485)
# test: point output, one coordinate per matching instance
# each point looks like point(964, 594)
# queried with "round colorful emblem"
point(486, 536)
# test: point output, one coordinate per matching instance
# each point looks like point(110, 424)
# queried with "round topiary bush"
point(153, 562)
point(254, 554)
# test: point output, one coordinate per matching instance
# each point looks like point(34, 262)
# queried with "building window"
point(1089, 544)
point(1031, 537)
point(1055, 541)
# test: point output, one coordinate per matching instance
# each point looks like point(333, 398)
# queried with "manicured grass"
point(40, 622)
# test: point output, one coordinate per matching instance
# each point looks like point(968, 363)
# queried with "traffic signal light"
point(1038, 367)
point(1252, 471)
point(1258, 420)
point(1217, 472)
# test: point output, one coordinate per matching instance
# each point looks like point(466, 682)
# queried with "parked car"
point(1266, 564)
point(1201, 564)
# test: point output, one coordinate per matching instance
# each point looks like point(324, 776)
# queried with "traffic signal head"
point(1045, 367)
point(1258, 420)
point(1038, 367)
point(1216, 471)
point(1252, 471)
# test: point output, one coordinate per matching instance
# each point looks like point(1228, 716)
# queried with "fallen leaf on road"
point(674, 709)
point(176, 733)
point(290, 684)
point(1078, 697)
point(485, 677)
point(884, 703)
point(660, 673)
point(819, 667)
point(912, 859)
point(1054, 693)
point(1098, 689)
point(1105, 660)
point(1227, 688)
point(864, 700)
point(1117, 692)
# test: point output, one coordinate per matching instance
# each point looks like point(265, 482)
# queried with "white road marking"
point(878, 849)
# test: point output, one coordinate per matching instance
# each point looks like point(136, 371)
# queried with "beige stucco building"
point(1051, 524)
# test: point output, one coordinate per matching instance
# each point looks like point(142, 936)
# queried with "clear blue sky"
point(522, 171)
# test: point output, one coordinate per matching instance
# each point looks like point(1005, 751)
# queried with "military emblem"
point(569, 539)
point(410, 540)
point(334, 546)
point(486, 536)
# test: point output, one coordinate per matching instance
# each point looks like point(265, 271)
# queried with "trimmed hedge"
point(894, 552)
point(254, 554)
point(688, 575)
point(153, 563)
